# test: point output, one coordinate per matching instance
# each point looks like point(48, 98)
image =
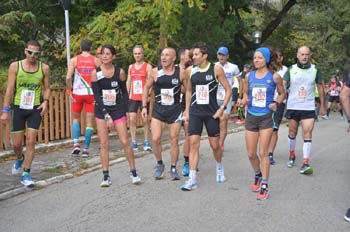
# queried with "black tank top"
point(204, 88)
point(167, 89)
point(111, 90)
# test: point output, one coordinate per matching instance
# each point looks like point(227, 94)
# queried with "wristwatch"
point(224, 107)
point(107, 117)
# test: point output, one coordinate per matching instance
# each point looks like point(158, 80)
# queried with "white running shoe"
point(136, 180)
point(106, 182)
point(220, 176)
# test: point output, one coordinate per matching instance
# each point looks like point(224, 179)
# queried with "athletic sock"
point(187, 159)
point(160, 162)
point(76, 132)
point(133, 172)
point(328, 110)
point(88, 133)
point(307, 149)
point(291, 144)
point(341, 112)
point(105, 174)
point(193, 176)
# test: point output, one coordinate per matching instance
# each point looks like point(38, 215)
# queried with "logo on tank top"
point(209, 77)
point(114, 83)
point(175, 81)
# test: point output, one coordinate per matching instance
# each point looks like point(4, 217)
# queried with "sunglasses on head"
point(33, 53)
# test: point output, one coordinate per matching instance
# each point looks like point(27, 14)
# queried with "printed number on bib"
point(202, 94)
point(109, 97)
point(167, 97)
point(302, 93)
point(220, 95)
point(259, 97)
point(137, 86)
point(27, 99)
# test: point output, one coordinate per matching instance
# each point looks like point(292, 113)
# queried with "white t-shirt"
point(230, 70)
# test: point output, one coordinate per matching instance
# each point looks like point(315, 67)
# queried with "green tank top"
point(28, 87)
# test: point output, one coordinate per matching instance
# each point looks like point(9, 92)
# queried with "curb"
point(95, 163)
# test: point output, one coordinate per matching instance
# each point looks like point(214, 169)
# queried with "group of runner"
point(193, 95)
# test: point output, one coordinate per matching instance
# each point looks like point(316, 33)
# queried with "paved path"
point(297, 203)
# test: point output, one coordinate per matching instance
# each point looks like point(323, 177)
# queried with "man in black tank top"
point(202, 108)
point(166, 81)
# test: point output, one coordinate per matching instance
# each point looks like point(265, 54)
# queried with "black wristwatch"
point(141, 107)
point(224, 107)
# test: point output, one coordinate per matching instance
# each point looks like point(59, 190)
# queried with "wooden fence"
point(56, 124)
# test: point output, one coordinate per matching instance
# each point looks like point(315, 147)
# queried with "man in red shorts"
point(81, 67)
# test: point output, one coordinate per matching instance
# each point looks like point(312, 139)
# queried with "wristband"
point(68, 91)
point(6, 109)
point(223, 107)
point(143, 107)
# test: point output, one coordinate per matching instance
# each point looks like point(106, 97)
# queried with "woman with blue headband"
point(258, 93)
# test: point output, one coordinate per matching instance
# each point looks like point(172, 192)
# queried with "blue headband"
point(266, 53)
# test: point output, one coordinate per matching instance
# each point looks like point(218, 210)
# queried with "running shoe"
point(291, 162)
point(174, 175)
point(256, 186)
point(264, 192)
point(136, 180)
point(76, 151)
point(159, 174)
point(240, 121)
point(17, 166)
point(186, 169)
point(147, 146)
point(85, 153)
point(325, 117)
point(341, 118)
point(189, 185)
point(272, 161)
point(27, 180)
point(306, 169)
point(347, 215)
point(220, 176)
point(134, 146)
point(106, 182)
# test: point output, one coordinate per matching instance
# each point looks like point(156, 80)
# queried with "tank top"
point(261, 93)
point(167, 89)
point(204, 91)
point(82, 75)
point(302, 88)
point(138, 81)
point(28, 89)
point(110, 90)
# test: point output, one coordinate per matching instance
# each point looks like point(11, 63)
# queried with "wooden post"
point(61, 109)
point(57, 116)
point(51, 116)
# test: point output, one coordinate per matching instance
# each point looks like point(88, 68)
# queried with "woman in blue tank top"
point(259, 87)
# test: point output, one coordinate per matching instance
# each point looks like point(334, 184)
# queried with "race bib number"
point(27, 99)
point(333, 93)
point(302, 93)
point(109, 97)
point(167, 97)
point(202, 94)
point(259, 97)
point(137, 86)
point(220, 95)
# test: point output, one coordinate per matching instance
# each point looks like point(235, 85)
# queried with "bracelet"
point(68, 91)
point(6, 109)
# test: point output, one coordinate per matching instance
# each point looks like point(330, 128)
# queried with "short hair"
point(181, 51)
point(110, 47)
point(86, 45)
point(33, 43)
point(203, 47)
point(138, 46)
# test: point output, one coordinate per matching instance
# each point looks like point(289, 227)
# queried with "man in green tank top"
point(29, 87)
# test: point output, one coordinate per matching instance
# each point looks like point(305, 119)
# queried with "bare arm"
point(220, 75)
point(128, 81)
point(11, 82)
point(47, 90)
point(148, 85)
point(70, 72)
point(280, 89)
point(322, 95)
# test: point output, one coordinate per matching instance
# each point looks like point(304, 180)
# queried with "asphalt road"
point(296, 203)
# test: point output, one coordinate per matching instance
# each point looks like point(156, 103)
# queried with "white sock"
point(307, 148)
point(193, 175)
point(291, 143)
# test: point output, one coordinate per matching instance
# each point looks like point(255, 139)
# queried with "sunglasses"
point(32, 53)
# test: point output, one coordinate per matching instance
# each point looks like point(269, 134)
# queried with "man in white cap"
point(230, 70)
